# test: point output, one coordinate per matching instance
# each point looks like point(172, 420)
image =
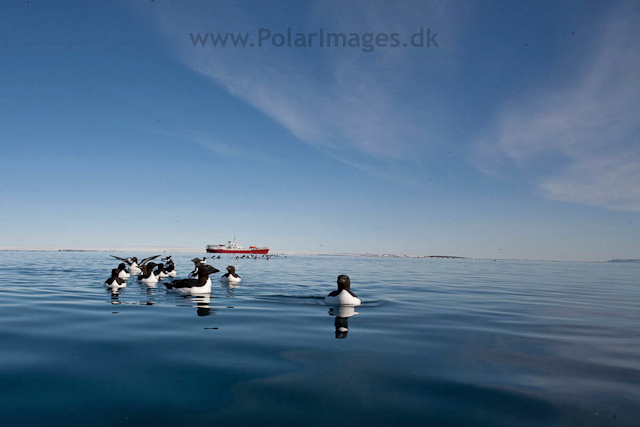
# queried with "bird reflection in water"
point(230, 287)
point(341, 323)
point(199, 301)
point(114, 297)
point(202, 305)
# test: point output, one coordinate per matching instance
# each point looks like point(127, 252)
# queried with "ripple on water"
point(446, 342)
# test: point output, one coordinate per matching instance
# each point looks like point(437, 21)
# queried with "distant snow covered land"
point(392, 255)
point(155, 249)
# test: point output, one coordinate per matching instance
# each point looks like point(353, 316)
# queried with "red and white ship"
point(234, 248)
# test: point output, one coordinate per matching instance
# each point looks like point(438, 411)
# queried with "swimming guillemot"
point(122, 271)
point(342, 296)
point(114, 282)
point(148, 276)
point(194, 286)
point(170, 269)
point(160, 271)
point(196, 263)
point(231, 275)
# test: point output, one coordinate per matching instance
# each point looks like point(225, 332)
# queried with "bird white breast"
point(124, 275)
point(172, 273)
point(343, 298)
point(150, 279)
point(204, 289)
point(230, 279)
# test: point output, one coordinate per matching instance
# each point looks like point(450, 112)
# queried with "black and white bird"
point(231, 276)
point(343, 295)
point(135, 267)
point(160, 272)
point(170, 269)
point(148, 275)
point(201, 285)
point(114, 282)
point(196, 264)
point(122, 271)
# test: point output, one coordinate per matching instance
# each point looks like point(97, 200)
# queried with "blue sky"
point(517, 137)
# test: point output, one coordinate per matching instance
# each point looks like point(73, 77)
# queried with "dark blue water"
point(439, 342)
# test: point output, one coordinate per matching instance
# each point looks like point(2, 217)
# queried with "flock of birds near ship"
point(267, 257)
point(199, 282)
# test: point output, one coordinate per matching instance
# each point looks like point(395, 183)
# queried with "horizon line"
point(187, 249)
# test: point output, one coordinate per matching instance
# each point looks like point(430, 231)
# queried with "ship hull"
point(258, 251)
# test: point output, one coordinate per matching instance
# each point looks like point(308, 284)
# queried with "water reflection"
point(230, 287)
point(150, 288)
point(202, 305)
point(115, 295)
point(341, 323)
point(200, 301)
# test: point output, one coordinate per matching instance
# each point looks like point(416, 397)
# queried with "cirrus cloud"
point(580, 142)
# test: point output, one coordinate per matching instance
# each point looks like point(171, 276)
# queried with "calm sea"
point(436, 342)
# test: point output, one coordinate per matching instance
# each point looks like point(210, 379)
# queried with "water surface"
point(441, 342)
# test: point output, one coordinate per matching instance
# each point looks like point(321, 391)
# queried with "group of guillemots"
point(199, 282)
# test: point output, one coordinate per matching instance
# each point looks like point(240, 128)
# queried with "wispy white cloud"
point(342, 101)
point(213, 144)
point(210, 143)
point(579, 142)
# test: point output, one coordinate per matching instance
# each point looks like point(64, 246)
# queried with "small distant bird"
point(29, 2)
